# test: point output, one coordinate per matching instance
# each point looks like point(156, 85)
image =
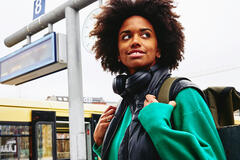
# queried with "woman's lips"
point(136, 53)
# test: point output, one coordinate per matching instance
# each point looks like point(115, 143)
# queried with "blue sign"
point(38, 8)
point(29, 58)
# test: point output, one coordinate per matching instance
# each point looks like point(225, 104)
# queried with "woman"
point(143, 41)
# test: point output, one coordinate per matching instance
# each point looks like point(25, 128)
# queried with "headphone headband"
point(124, 84)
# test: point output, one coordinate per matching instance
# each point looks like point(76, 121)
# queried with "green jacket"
point(191, 135)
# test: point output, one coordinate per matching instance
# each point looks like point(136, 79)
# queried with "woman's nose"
point(135, 42)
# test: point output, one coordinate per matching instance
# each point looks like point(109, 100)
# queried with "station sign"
point(38, 8)
point(42, 57)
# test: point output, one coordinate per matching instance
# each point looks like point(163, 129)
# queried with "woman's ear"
point(119, 60)
point(158, 55)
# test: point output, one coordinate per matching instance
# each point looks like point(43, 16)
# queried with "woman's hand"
point(151, 98)
point(103, 124)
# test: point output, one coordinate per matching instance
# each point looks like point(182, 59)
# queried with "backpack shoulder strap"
point(164, 91)
point(172, 86)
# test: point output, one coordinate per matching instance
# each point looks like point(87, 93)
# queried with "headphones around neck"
point(125, 84)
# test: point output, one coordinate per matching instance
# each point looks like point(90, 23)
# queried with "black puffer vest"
point(136, 144)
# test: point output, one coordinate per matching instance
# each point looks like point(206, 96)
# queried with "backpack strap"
point(172, 86)
point(164, 92)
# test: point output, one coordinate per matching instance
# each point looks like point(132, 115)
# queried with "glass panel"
point(88, 140)
point(13, 145)
point(44, 141)
point(14, 148)
point(24, 130)
point(8, 148)
point(23, 148)
point(14, 130)
point(63, 148)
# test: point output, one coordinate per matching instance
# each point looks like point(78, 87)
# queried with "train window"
point(14, 130)
point(14, 141)
point(63, 146)
point(44, 132)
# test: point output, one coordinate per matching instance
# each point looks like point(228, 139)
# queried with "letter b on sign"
point(38, 8)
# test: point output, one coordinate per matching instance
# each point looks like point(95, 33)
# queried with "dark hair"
point(159, 13)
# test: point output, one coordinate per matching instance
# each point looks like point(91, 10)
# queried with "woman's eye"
point(146, 35)
point(125, 37)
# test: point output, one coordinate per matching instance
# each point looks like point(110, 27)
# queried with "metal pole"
point(100, 3)
point(50, 28)
point(76, 112)
point(39, 24)
point(28, 39)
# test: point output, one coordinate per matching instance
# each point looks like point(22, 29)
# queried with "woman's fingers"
point(103, 124)
point(109, 108)
point(106, 119)
point(173, 103)
point(109, 111)
point(151, 98)
point(108, 114)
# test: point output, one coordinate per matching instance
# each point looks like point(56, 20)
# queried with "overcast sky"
point(211, 48)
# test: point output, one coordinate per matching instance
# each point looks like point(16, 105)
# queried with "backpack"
point(222, 102)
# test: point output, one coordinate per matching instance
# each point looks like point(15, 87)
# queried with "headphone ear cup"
point(119, 84)
point(138, 81)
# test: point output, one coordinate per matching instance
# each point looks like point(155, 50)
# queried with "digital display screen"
point(29, 58)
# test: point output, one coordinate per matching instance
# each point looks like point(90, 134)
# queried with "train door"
point(44, 135)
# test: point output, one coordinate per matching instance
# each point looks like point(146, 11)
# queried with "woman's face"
point(137, 44)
